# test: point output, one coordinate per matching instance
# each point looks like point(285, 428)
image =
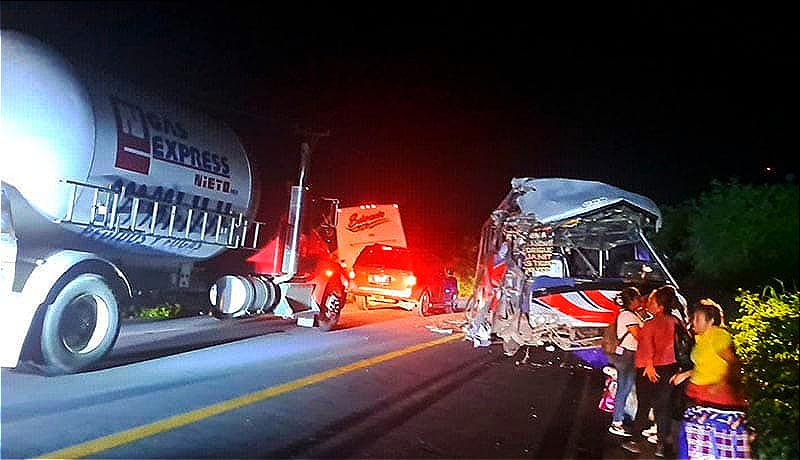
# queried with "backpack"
point(609, 342)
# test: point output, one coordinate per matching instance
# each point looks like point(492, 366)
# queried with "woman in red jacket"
point(655, 365)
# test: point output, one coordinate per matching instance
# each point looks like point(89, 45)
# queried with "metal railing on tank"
point(103, 207)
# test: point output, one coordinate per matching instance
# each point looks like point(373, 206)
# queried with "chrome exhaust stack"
point(296, 202)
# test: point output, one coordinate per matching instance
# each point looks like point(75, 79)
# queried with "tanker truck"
point(109, 191)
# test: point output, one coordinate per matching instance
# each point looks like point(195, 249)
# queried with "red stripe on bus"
point(562, 304)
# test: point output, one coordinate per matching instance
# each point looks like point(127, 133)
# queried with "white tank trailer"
point(107, 191)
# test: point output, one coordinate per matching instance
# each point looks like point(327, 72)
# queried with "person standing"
point(655, 365)
point(684, 342)
point(627, 330)
point(713, 423)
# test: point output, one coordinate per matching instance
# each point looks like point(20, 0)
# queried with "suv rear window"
point(375, 256)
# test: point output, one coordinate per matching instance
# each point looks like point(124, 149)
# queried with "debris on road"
point(448, 326)
point(459, 323)
point(439, 330)
point(480, 334)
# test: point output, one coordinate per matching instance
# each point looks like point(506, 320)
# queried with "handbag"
point(608, 398)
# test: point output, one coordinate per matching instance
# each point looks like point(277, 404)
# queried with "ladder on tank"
point(104, 208)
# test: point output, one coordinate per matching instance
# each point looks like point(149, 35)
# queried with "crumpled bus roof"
point(552, 200)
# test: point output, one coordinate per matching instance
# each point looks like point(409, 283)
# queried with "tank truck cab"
point(294, 274)
point(552, 258)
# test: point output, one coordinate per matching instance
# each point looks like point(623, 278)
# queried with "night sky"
point(437, 106)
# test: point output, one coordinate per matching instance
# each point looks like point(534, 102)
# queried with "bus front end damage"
point(552, 258)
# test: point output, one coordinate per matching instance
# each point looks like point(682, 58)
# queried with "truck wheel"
point(331, 308)
point(424, 305)
point(80, 326)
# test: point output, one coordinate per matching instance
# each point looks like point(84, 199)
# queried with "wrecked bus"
point(552, 258)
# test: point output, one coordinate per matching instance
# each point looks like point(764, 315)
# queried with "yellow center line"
point(134, 434)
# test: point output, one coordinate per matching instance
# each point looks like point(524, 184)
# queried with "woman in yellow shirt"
point(713, 424)
point(710, 381)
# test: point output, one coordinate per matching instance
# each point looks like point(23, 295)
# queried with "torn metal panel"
point(552, 258)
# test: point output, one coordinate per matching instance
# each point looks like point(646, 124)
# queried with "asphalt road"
point(386, 384)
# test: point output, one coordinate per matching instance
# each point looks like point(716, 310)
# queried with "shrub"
point(462, 261)
point(164, 311)
point(766, 338)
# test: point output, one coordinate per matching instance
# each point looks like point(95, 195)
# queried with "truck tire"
point(81, 325)
point(424, 304)
point(331, 308)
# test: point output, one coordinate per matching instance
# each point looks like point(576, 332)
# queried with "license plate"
point(379, 279)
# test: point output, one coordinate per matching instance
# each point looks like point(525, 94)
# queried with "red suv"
point(414, 280)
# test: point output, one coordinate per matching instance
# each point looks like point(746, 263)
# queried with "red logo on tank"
point(133, 138)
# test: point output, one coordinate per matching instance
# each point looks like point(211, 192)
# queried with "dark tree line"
point(733, 236)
